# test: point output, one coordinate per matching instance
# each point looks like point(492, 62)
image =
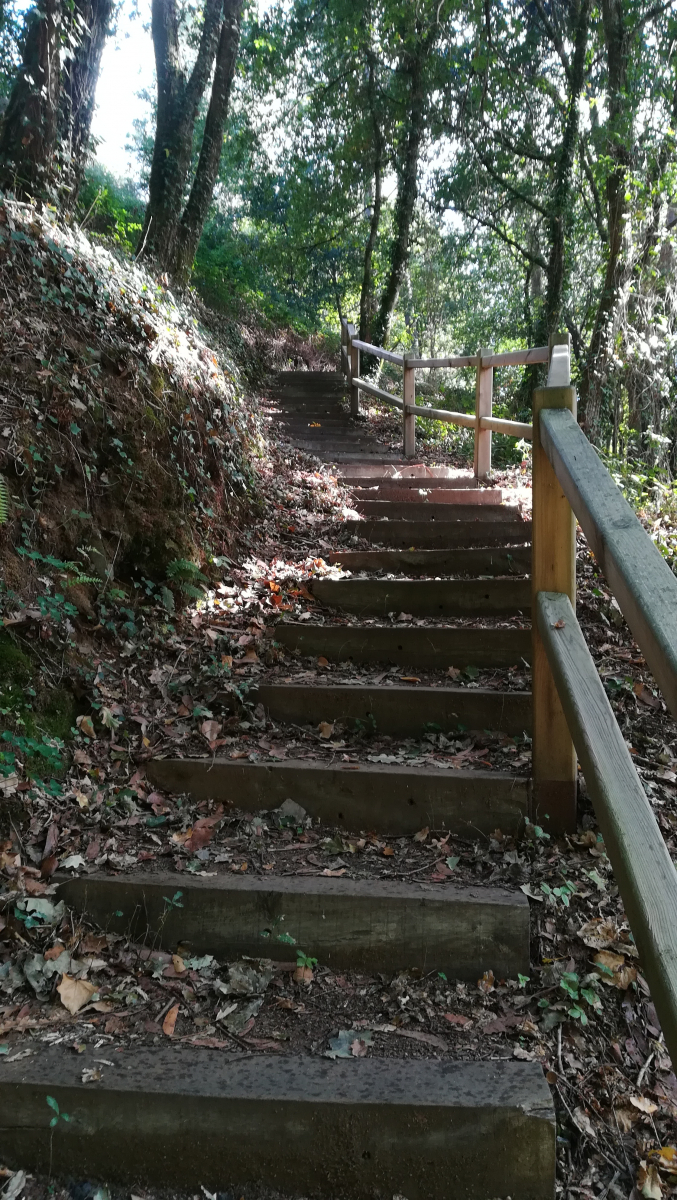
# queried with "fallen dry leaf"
point(486, 983)
point(457, 1019)
point(210, 730)
point(325, 729)
point(644, 1105)
point(648, 1182)
point(54, 951)
point(645, 695)
point(75, 993)
point(169, 1023)
point(613, 969)
point(422, 834)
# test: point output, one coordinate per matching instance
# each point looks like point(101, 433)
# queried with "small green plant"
point(175, 901)
point(304, 960)
point(58, 1116)
point(186, 575)
point(4, 501)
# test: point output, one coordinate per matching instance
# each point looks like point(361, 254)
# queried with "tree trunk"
point(367, 297)
point(90, 28)
point(195, 214)
point(178, 100)
point(29, 134)
point(560, 206)
point(407, 192)
point(618, 148)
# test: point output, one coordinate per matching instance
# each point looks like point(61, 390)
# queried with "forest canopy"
point(445, 175)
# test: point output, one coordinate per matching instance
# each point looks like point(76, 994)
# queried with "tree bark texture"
point(197, 208)
point(407, 190)
point(367, 294)
point(617, 41)
point(175, 213)
point(560, 205)
point(29, 135)
point(90, 23)
point(178, 101)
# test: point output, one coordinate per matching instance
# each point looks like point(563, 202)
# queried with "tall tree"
point(174, 221)
point(45, 139)
point(88, 26)
point(30, 130)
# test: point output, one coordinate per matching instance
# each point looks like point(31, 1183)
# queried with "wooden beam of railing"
point(378, 352)
point(365, 386)
point(443, 414)
point(512, 428)
point(642, 865)
point(463, 361)
point(634, 568)
point(517, 358)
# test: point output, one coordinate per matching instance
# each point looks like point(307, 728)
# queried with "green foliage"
point(186, 575)
point(111, 208)
point(4, 501)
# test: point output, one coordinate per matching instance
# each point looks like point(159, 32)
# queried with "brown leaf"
point(34, 887)
point(51, 840)
point(325, 729)
point(613, 969)
point(503, 1024)
point(430, 1039)
point(645, 695)
point(93, 850)
point(54, 951)
point(422, 834)
point(178, 964)
point(457, 1019)
point(210, 730)
point(648, 1182)
point(303, 975)
point(388, 851)
point(86, 727)
point(48, 866)
point(322, 661)
point(169, 1023)
point(75, 993)
point(203, 831)
point(486, 983)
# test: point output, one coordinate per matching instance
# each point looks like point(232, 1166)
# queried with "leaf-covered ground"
point(97, 678)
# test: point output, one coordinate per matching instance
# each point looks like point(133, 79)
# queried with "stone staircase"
point(433, 545)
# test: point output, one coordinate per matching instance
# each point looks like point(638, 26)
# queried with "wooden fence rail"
point(572, 718)
point(481, 421)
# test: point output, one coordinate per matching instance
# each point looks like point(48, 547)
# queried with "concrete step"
point(347, 924)
point(422, 646)
point(477, 561)
point(411, 510)
point(184, 1116)
point(426, 597)
point(420, 492)
point(393, 800)
point(396, 709)
point(444, 534)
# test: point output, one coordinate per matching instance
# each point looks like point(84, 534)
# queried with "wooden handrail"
point(463, 361)
point(365, 386)
point(443, 414)
point(634, 568)
point(378, 352)
point(483, 421)
point(642, 865)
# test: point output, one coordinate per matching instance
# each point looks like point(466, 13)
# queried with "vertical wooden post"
point(354, 355)
point(483, 404)
point(553, 569)
point(409, 419)
point(344, 344)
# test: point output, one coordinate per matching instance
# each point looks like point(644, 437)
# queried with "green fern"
point(4, 501)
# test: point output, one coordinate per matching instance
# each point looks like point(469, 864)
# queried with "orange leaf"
point(169, 1023)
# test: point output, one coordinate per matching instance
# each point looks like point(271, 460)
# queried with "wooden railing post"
point(553, 570)
point(354, 356)
point(483, 404)
point(409, 419)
